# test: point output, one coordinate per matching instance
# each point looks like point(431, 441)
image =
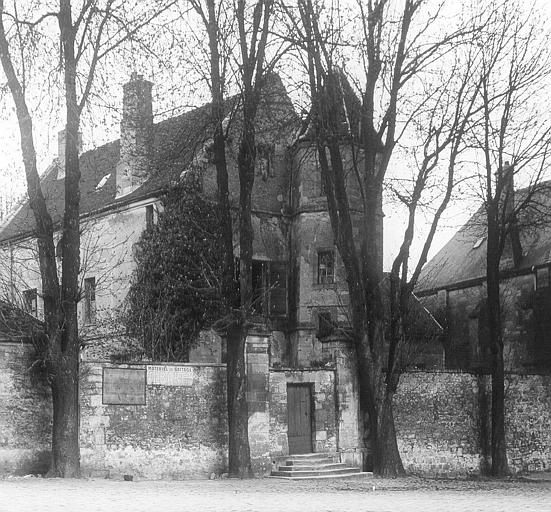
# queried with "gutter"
point(113, 207)
point(476, 281)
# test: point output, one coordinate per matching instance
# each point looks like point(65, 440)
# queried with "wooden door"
point(299, 417)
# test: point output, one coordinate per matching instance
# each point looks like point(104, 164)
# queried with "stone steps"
point(313, 466)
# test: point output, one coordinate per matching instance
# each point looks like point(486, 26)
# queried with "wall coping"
point(151, 363)
point(476, 374)
point(282, 370)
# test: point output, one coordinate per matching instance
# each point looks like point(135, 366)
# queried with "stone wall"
point(180, 432)
point(443, 422)
point(442, 418)
point(25, 413)
point(324, 430)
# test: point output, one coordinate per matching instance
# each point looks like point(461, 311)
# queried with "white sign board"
point(170, 375)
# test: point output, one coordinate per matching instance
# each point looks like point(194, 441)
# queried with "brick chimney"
point(136, 124)
point(61, 152)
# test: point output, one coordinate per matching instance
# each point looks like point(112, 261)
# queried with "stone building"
point(453, 286)
point(168, 420)
point(296, 269)
point(297, 274)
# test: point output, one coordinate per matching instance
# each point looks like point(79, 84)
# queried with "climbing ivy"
point(176, 287)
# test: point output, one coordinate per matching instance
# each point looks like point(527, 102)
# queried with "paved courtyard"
point(409, 494)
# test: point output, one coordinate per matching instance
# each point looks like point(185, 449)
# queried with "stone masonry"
point(25, 412)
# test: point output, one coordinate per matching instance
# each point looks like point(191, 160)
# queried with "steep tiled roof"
point(175, 142)
point(463, 258)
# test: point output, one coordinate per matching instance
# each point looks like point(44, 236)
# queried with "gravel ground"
point(365, 495)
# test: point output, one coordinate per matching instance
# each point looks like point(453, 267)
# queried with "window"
point(30, 301)
point(479, 242)
point(89, 300)
point(323, 190)
point(542, 278)
point(258, 286)
point(103, 181)
point(269, 284)
point(264, 160)
point(326, 325)
point(326, 267)
point(278, 289)
point(149, 217)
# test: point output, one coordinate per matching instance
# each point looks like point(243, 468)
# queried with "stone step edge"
point(319, 467)
point(311, 455)
point(306, 462)
point(363, 474)
point(319, 472)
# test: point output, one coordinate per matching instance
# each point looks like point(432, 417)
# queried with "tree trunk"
point(500, 466)
point(386, 457)
point(493, 305)
point(239, 455)
point(65, 434)
point(238, 416)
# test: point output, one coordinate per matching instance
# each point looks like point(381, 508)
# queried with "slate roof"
point(175, 142)
point(463, 258)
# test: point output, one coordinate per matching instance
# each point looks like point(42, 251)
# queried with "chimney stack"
point(136, 124)
point(61, 152)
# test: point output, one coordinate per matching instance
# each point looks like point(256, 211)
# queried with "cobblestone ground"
point(408, 494)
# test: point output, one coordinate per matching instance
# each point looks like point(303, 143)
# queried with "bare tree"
point(510, 139)
point(86, 36)
point(410, 78)
point(253, 22)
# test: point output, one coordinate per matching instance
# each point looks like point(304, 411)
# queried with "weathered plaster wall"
point(107, 246)
point(107, 253)
point(25, 413)
point(324, 403)
point(443, 422)
point(181, 431)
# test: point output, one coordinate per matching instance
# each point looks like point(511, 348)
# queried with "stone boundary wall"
point(179, 433)
point(25, 413)
point(443, 422)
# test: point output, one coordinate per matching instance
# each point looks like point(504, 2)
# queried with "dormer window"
point(479, 242)
point(103, 181)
